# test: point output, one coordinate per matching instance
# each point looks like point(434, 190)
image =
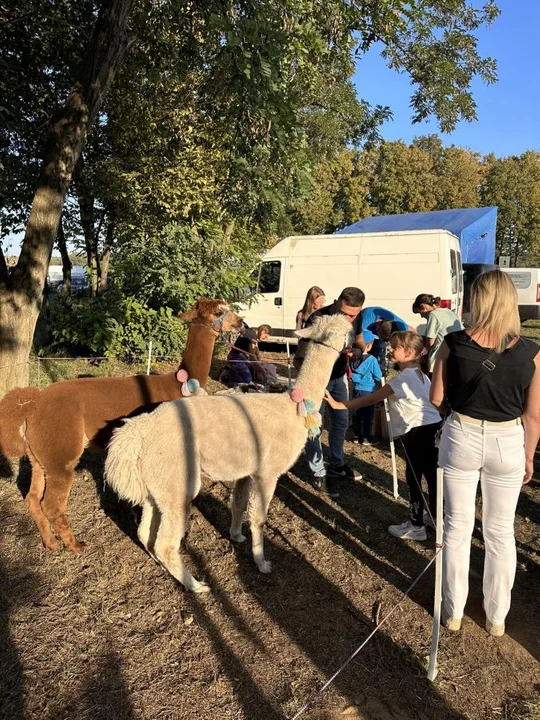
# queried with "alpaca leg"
point(263, 491)
point(148, 527)
point(33, 503)
point(167, 548)
point(57, 490)
point(143, 531)
point(240, 498)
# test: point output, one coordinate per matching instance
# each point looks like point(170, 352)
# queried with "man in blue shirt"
point(382, 323)
point(349, 304)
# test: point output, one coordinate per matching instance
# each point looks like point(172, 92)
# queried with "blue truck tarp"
point(474, 227)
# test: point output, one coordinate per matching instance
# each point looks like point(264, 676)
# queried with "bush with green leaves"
point(111, 325)
point(176, 266)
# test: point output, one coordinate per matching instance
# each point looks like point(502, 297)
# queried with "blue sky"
point(508, 111)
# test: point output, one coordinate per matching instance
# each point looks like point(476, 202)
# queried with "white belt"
point(483, 423)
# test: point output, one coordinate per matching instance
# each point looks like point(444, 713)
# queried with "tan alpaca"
point(54, 426)
point(157, 460)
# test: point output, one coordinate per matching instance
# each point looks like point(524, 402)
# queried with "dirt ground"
point(110, 636)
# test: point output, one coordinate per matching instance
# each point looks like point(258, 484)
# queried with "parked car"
point(527, 283)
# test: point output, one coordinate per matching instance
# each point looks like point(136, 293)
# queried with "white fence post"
point(149, 357)
point(392, 446)
point(432, 670)
point(289, 365)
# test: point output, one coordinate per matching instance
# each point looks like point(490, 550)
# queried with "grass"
point(531, 330)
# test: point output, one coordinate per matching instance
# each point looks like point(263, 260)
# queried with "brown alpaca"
point(54, 426)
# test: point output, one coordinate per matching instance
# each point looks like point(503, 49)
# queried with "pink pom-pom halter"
point(189, 387)
point(182, 375)
point(306, 409)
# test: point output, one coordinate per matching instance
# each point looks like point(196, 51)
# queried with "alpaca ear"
point(305, 333)
point(189, 315)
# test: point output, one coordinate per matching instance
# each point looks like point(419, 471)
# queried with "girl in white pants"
point(490, 379)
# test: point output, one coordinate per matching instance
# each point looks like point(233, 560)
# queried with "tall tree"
point(459, 179)
point(513, 184)
point(404, 180)
point(21, 290)
point(251, 77)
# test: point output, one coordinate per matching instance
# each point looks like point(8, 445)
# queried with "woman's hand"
point(334, 404)
point(529, 470)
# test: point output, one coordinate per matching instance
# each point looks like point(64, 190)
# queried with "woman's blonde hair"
point(312, 294)
point(494, 308)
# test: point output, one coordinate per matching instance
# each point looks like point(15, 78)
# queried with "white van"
point(527, 284)
point(392, 268)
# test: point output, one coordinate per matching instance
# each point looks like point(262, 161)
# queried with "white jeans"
point(496, 457)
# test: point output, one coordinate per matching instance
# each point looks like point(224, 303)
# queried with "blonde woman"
point(315, 300)
point(489, 377)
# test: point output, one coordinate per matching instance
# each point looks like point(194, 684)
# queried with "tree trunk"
point(21, 291)
point(105, 269)
point(106, 257)
point(86, 206)
point(66, 261)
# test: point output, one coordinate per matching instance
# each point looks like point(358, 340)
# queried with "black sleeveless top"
point(500, 394)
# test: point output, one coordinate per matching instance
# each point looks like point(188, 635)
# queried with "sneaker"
point(344, 471)
point(452, 624)
point(357, 441)
point(408, 531)
point(428, 522)
point(325, 486)
point(494, 630)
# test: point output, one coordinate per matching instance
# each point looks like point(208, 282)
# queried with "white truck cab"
point(392, 268)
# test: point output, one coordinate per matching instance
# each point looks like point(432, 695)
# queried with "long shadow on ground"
point(326, 627)
point(18, 585)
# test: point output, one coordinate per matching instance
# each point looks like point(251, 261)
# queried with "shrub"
point(111, 326)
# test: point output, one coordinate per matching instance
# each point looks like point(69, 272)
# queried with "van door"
point(268, 306)
point(461, 290)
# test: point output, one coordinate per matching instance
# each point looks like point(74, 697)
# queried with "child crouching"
point(415, 420)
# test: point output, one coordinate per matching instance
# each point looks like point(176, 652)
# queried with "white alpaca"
point(156, 460)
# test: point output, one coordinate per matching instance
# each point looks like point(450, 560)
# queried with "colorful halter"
point(189, 387)
point(306, 409)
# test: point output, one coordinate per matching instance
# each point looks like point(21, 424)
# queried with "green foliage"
point(42, 44)
point(396, 178)
point(435, 43)
point(225, 128)
point(224, 113)
point(404, 180)
point(111, 326)
point(338, 195)
point(513, 184)
point(175, 267)
point(458, 173)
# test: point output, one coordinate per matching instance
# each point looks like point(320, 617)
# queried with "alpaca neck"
point(315, 372)
point(197, 357)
